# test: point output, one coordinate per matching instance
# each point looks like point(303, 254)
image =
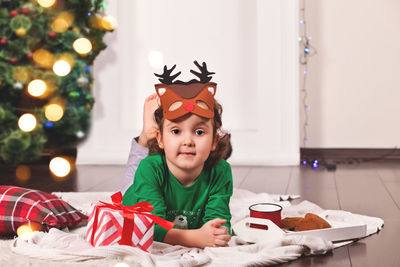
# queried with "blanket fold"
point(58, 245)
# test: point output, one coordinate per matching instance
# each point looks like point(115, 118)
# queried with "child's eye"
point(175, 131)
point(200, 132)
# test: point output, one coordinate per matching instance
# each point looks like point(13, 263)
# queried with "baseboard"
point(349, 154)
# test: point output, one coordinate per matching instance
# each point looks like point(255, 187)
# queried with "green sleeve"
point(147, 187)
point(220, 193)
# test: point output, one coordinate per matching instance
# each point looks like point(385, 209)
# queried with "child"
point(139, 147)
point(187, 181)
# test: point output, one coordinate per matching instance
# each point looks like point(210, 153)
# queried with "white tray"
point(335, 234)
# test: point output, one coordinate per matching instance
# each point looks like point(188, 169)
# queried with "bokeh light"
point(25, 231)
point(21, 32)
point(37, 88)
point(43, 58)
point(49, 124)
point(68, 57)
point(23, 173)
point(80, 134)
point(61, 68)
point(59, 25)
point(60, 167)
point(62, 22)
point(54, 112)
point(82, 46)
point(121, 264)
point(156, 59)
point(23, 228)
point(27, 122)
point(108, 23)
point(22, 74)
point(46, 3)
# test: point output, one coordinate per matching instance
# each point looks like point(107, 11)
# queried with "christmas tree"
point(47, 48)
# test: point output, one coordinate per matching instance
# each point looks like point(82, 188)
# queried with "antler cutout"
point(166, 77)
point(203, 75)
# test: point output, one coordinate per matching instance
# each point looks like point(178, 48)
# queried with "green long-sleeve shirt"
point(188, 206)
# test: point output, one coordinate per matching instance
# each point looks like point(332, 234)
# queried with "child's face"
point(187, 143)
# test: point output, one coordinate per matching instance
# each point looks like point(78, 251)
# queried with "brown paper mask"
point(179, 98)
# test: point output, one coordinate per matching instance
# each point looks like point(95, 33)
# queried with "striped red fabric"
point(20, 205)
point(109, 227)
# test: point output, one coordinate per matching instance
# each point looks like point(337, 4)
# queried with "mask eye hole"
point(161, 91)
point(175, 105)
point(202, 104)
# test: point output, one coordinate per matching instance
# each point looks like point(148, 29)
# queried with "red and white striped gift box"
point(111, 223)
point(106, 227)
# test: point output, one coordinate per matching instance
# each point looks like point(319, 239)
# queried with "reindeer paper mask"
point(179, 98)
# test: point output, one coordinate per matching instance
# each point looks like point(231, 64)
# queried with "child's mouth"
point(187, 154)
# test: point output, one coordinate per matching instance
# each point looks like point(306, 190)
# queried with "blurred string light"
point(27, 122)
point(306, 51)
point(104, 22)
point(37, 88)
point(48, 124)
point(64, 64)
point(22, 173)
point(108, 23)
point(26, 230)
point(80, 134)
point(61, 68)
point(62, 22)
point(54, 112)
point(43, 58)
point(46, 3)
point(82, 46)
point(315, 164)
point(60, 167)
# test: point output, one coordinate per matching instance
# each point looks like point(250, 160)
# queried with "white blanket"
point(60, 246)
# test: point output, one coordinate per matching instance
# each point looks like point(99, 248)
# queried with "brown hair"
point(223, 148)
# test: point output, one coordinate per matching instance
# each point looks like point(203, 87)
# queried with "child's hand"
point(213, 234)
point(150, 127)
point(222, 236)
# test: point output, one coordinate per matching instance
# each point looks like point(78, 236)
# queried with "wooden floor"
point(370, 189)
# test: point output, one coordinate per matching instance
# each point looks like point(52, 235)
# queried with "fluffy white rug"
point(59, 248)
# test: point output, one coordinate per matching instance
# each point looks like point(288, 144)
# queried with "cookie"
point(311, 222)
point(291, 222)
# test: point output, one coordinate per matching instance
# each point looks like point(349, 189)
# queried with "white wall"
point(354, 80)
point(252, 47)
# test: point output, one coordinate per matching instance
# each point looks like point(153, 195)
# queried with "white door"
point(251, 45)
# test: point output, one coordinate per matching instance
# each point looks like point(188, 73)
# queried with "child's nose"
point(188, 140)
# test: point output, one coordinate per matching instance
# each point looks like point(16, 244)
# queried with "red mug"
point(266, 211)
